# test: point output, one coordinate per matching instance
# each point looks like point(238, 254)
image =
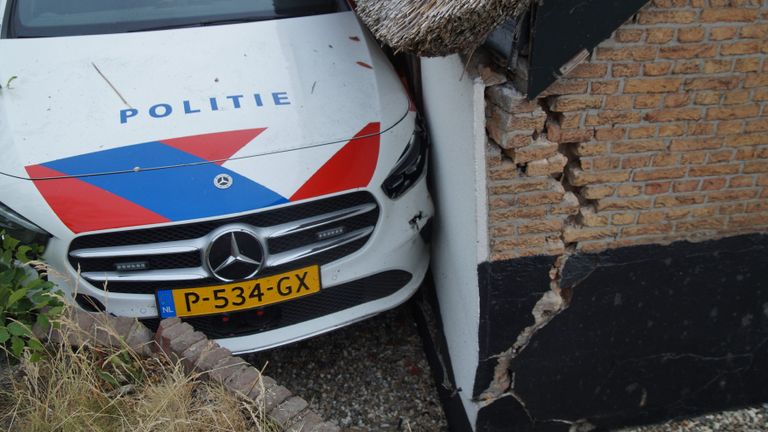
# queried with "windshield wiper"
point(235, 20)
point(164, 27)
point(203, 23)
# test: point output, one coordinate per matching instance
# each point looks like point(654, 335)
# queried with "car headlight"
point(18, 227)
point(409, 167)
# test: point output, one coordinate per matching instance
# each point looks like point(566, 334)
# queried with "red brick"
point(631, 162)
point(688, 144)
point(678, 200)
point(665, 159)
point(652, 85)
point(597, 191)
point(713, 170)
point(740, 48)
point(638, 146)
point(748, 64)
point(687, 51)
point(566, 86)
point(758, 166)
point(623, 204)
point(713, 184)
point(642, 132)
point(611, 117)
point(722, 33)
point(724, 83)
point(685, 186)
point(628, 35)
point(701, 224)
point(677, 100)
point(717, 66)
point(610, 133)
point(746, 140)
point(674, 114)
point(659, 174)
point(693, 158)
point(736, 97)
point(728, 15)
point(589, 70)
point(707, 98)
point(733, 112)
point(754, 31)
point(629, 190)
point(604, 87)
point(760, 125)
point(730, 127)
point(702, 129)
point(574, 234)
point(741, 181)
point(578, 177)
point(644, 53)
point(657, 69)
point(690, 34)
point(749, 221)
point(660, 35)
point(620, 102)
point(625, 69)
point(687, 67)
point(720, 156)
point(590, 149)
point(574, 103)
point(540, 226)
point(523, 184)
point(672, 129)
point(657, 188)
point(731, 195)
point(540, 149)
point(756, 80)
point(648, 101)
point(552, 165)
point(673, 16)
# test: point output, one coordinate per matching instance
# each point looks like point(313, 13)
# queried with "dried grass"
point(115, 389)
point(436, 27)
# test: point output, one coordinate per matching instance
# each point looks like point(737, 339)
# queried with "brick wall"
point(661, 135)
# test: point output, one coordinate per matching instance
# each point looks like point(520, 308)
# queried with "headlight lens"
point(18, 227)
point(409, 167)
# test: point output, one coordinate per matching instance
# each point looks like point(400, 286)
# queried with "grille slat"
point(291, 234)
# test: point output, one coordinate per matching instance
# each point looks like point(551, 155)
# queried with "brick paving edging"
point(197, 354)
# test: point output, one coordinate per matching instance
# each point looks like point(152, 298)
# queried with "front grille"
point(172, 256)
point(326, 302)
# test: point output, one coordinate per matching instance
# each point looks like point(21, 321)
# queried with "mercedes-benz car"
point(253, 167)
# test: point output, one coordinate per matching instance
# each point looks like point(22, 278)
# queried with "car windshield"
point(46, 18)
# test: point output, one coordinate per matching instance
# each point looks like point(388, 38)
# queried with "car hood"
point(209, 94)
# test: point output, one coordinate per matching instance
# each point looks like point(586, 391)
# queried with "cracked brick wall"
point(660, 135)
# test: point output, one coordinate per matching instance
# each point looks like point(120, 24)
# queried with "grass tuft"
point(110, 389)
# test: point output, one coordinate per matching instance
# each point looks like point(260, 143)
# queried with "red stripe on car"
point(83, 207)
point(351, 167)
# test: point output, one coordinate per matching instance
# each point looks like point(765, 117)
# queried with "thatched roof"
point(436, 27)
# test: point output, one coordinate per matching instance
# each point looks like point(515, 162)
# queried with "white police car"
point(253, 167)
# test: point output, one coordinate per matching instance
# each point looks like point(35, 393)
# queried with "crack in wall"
point(557, 298)
point(569, 210)
point(552, 303)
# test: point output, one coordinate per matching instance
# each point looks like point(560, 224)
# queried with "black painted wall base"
point(651, 332)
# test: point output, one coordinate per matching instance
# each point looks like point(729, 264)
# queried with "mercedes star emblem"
point(223, 181)
point(235, 254)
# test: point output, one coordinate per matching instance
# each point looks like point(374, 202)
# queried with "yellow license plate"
point(238, 296)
